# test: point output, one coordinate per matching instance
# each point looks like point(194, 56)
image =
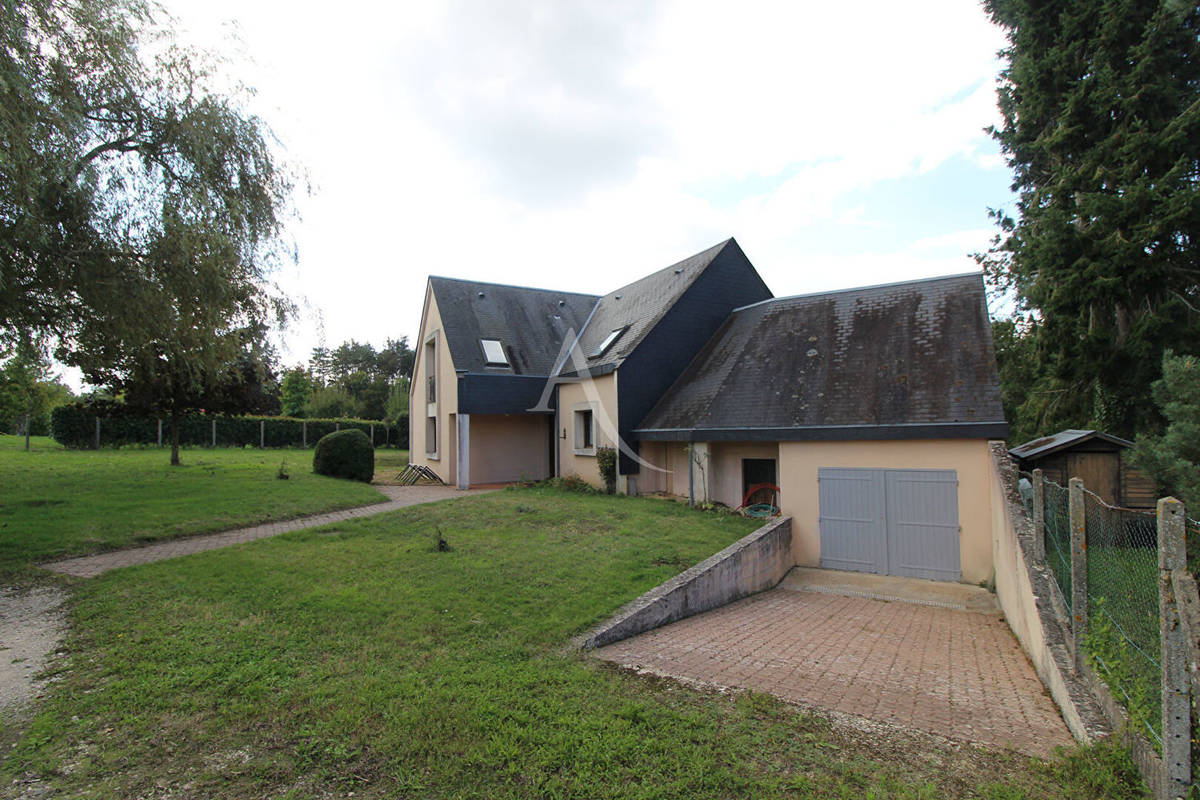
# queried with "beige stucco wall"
point(718, 471)
point(1014, 591)
point(725, 470)
point(600, 395)
point(509, 447)
point(799, 462)
point(658, 477)
point(447, 398)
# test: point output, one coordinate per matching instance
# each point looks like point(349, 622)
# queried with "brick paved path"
point(956, 674)
point(400, 497)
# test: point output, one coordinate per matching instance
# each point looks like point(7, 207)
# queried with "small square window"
point(584, 430)
point(608, 342)
point(493, 353)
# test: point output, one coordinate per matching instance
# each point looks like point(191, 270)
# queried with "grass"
point(1123, 630)
point(358, 658)
point(57, 502)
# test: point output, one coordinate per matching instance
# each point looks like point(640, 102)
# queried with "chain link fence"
point(1123, 627)
point(1122, 591)
point(1058, 537)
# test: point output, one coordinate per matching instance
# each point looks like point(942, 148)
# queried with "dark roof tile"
point(909, 353)
point(531, 324)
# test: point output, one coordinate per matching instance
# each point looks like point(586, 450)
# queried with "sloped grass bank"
point(361, 658)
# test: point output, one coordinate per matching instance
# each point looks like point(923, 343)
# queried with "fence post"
point(1039, 517)
point(337, 426)
point(214, 432)
point(372, 436)
point(304, 435)
point(1176, 701)
point(160, 431)
point(262, 434)
point(1079, 609)
point(97, 433)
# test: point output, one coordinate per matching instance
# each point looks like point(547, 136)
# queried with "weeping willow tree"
point(142, 207)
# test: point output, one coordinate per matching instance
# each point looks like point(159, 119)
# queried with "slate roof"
point(906, 359)
point(638, 305)
point(530, 323)
point(1061, 441)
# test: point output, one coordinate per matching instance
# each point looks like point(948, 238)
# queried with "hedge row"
point(75, 426)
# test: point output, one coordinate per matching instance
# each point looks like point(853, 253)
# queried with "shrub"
point(571, 483)
point(345, 454)
point(606, 460)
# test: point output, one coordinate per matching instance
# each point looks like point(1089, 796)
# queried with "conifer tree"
point(1101, 126)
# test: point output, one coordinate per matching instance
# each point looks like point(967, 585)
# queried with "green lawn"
point(359, 659)
point(58, 502)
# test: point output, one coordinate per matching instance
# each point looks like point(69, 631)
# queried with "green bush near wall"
point(74, 426)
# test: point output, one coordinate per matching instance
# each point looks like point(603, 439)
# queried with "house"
point(870, 409)
point(1101, 460)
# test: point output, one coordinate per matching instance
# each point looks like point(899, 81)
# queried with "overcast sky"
point(579, 146)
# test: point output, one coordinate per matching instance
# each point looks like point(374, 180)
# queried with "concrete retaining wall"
point(752, 564)
point(1025, 594)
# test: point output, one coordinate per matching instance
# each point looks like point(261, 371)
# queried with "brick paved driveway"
point(958, 674)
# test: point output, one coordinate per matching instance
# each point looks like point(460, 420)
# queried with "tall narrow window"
point(584, 430)
point(493, 353)
point(431, 436)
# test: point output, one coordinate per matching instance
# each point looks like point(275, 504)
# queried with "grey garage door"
point(890, 521)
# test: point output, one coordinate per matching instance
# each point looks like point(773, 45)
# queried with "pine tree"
point(1101, 126)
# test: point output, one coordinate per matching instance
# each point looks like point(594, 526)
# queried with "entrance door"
point(1099, 472)
point(756, 471)
point(890, 522)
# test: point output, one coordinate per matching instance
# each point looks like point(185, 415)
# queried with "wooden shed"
point(1100, 459)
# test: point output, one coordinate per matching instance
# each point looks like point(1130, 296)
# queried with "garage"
point(890, 521)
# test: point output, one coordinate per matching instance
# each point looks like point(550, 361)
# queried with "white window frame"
point(499, 350)
point(609, 341)
point(584, 433)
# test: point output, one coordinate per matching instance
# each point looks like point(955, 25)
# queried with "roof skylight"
point(493, 353)
point(608, 342)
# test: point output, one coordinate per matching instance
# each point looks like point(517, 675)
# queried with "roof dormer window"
point(608, 342)
point(493, 353)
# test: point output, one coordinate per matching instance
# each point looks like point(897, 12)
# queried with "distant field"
point(57, 502)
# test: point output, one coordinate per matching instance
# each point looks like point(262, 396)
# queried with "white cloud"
point(543, 143)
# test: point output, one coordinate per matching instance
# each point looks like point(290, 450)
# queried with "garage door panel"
point(853, 534)
point(922, 520)
point(889, 521)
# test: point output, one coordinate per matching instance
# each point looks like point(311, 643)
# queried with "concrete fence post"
point(262, 434)
point(1039, 517)
point(304, 434)
point(1079, 601)
point(337, 426)
point(1176, 700)
point(214, 432)
point(372, 436)
point(97, 433)
point(160, 431)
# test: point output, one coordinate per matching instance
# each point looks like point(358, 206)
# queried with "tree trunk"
point(174, 438)
point(27, 432)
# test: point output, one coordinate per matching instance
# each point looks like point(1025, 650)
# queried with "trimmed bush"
point(345, 454)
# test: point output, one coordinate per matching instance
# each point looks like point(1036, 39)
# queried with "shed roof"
point(903, 360)
point(1063, 440)
point(530, 324)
